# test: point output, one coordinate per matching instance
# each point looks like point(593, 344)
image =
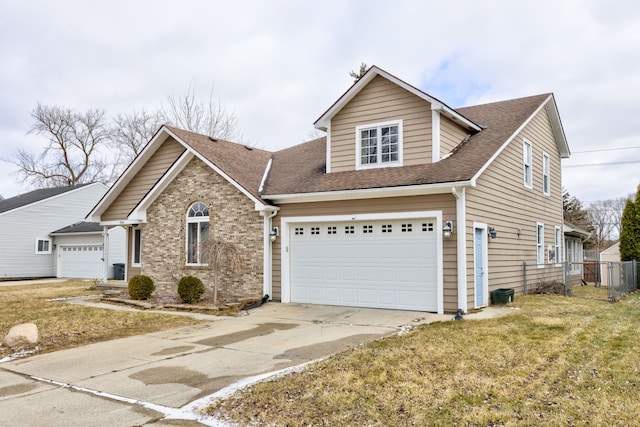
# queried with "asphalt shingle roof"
point(244, 164)
point(81, 227)
point(301, 169)
point(34, 196)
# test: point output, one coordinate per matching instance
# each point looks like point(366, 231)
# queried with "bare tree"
point(222, 257)
point(132, 131)
point(605, 220)
point(72, 153)
point(617, 208)
point(208, 117)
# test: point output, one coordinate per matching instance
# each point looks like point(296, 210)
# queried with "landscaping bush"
point(190, 289)
point(141, 287)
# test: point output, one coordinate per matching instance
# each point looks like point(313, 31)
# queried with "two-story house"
point(406, 203)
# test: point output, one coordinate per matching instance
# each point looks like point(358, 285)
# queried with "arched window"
point(197, 233)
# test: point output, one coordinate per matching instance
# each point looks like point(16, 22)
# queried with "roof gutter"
point(367, 193)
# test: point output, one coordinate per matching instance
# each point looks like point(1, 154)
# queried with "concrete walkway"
point(148, 379)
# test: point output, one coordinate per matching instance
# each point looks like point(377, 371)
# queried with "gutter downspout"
point(461, 245)
point(268, 253)
point(105, 254)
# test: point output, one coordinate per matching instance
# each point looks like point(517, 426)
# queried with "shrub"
point(190, 289)
point(141, 287)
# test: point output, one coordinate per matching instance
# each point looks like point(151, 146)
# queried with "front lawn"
point(62, 325)
point(554, 361)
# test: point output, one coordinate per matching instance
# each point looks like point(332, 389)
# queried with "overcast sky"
point(280, 64)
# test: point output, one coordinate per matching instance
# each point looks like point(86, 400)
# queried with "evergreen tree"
point(361, 72)
point(630, 232)
point(574, 212)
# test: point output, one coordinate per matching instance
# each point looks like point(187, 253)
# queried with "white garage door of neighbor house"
point(80, 261)
point(378, 264)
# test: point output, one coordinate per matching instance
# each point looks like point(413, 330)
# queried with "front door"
point(480, 265)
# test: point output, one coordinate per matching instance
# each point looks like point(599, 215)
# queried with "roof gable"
point(502, 121)
point(241, 165)
point(323, 121)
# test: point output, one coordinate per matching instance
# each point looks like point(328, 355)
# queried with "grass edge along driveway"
point(555, 361)
point(61, 325)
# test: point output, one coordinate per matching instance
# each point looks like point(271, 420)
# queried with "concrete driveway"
point(144, 380)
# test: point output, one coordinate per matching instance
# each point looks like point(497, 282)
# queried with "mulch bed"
point(166, 301)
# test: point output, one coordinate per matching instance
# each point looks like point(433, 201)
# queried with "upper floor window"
point(527, 154)
point(197, 234)
point(379, 145)
point(546, 175)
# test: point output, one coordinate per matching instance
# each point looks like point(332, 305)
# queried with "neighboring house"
point(611, 254)
point(81, 253)
point(407, 203)
point(574, 238)
point(28, 249)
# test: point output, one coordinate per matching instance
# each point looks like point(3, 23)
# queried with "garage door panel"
point(390, 264)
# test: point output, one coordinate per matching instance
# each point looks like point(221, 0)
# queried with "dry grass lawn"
point(559, 361)
point(62, 325)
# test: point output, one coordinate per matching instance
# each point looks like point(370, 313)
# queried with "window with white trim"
point(197, 234)
point(379, 145)
point(136, 248)
point(540, 244)
point(527, 159)
point(546, 175)
point(558, 245)
point(43, 246)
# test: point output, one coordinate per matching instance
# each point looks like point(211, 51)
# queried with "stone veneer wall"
point(232, 219)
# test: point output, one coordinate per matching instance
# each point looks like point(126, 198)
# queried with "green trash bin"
point(502, 296)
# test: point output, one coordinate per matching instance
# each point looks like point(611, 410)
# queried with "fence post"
point(524, 277)
point(610, 284)
point(635, 274)
point(565, 278)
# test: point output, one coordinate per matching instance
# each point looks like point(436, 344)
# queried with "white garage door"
point(80, 261)
point(381, 264)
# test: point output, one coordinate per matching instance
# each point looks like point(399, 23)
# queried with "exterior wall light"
point(273, 234)
point(447, 229)
point(492, 232)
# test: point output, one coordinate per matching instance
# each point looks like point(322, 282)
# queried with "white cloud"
point(279, 64)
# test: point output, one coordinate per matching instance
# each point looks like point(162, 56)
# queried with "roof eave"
point(366, 193)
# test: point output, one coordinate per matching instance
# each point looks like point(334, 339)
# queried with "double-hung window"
point(527, 154)
point(558, 245)
point(540, 244)
point(197, 234)
point(379, 145)
point(546, 175)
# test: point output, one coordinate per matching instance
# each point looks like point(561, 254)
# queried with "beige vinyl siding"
point(442, 202)
point(502, 201)
point(382, 101)
point(144, 181)
point(451, 135)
